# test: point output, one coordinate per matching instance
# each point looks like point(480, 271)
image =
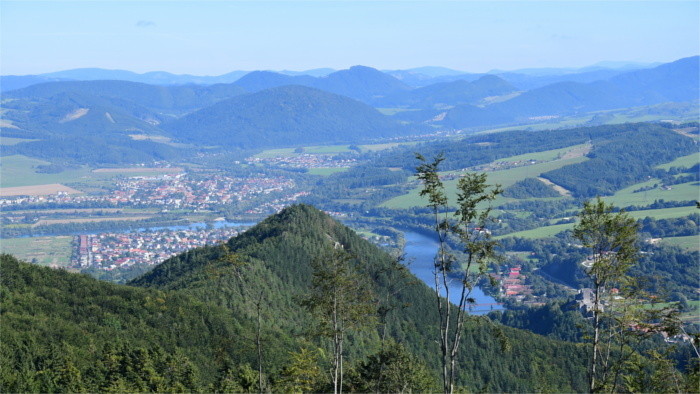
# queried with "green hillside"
point(283, 117)
point(197, 311)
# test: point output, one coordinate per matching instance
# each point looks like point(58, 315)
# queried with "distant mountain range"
point(671, 82)
point(268, 109)
point(414, 77)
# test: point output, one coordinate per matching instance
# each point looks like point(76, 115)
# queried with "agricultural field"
point(325, 171)
point(378, 147)
point(680, 192)
point(691, 242)
point(37, 190)
point(46, 222)
point(540, 232)
point(503, 177)
point(48, 251)
point(18, 170)
point(549, 155)
point(138, 170)
point(683, 161)
point(550, 231)
point(313, 150)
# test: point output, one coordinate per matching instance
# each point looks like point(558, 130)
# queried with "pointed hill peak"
point(284, 245)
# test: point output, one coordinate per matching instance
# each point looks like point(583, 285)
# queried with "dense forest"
point(201, 311)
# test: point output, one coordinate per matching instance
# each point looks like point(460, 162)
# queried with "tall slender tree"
point(341, 302)
point(469, 225)
point(620, 318)
point(611, 240)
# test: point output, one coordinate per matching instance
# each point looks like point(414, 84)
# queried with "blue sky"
point(212, 38)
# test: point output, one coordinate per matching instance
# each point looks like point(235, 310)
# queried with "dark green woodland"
point(190, 324)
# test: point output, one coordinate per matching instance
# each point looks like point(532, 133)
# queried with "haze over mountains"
point(253, 111)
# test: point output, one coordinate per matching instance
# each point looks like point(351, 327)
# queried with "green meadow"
point(683, 161)
point(50, 251)
point(680, 192)
point(503, 177)
point(550, 231)
point(690, 242)
point(325, 171)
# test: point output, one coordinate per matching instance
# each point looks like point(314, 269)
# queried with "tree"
point(303, 373)
point(620, 317)
point(468, 224)
point(341, 301)
point(234, 261)
point(611, 239)
point(392, 370)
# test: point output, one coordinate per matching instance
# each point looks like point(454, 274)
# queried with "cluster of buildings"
point(277, 204)
point(171, 191)
point(108, 251)
point(184, 191)
point(513, 285)
point(305, 160)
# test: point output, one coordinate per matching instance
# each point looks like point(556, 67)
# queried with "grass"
point(691, 242)
point(550, 231)
point(19, 170)
point(378, 147)
point(547, 155)
point(37, 190)
point(46, 222)
point(503, 177)
point(540, 232)
point(326, 171)
point(314, 150)
point(683, 161)
point(49, 251)
point(679, 192)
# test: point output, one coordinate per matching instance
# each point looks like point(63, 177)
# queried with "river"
point(196, 226)
point(420, 252)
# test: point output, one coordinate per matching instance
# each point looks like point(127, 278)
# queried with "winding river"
point(420, 252)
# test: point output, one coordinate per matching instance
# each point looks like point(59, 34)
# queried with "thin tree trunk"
point(596, 337)
point(258, 342)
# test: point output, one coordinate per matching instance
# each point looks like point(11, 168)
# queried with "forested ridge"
point(200, 310)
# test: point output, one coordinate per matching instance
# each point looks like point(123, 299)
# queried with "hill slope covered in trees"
point(199, 311)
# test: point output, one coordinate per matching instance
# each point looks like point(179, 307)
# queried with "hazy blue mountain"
point(12, 82)
point(316, 72)
point(672, 82)
point(260, 80)
point(448, 94)
point(529, 82)
point(604, 65)
point(167, 99)
point(361, 83)
point(153, 77)
point(284, 116)
point(523, 79)
point(620, 65)
point(418, 80)
point(65, 113)
point(433, 71)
